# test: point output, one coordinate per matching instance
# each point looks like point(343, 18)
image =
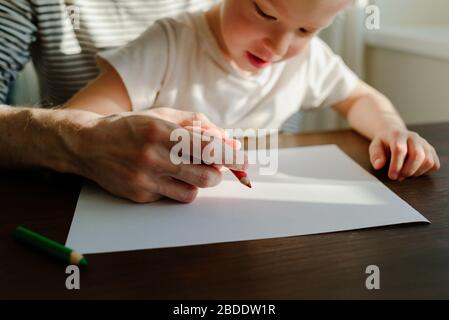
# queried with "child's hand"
point(411, 155)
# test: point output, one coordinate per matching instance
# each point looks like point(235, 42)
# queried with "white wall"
point(417, 85)
point(417, 81)
point(402, 12)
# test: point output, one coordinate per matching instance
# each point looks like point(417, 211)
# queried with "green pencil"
point(49, 246)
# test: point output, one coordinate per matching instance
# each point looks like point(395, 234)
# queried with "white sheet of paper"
point(316, 190)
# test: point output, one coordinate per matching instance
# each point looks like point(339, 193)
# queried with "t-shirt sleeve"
point(329, 80)
point(142, 65)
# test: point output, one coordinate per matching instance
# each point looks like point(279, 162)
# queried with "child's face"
point(256, 33)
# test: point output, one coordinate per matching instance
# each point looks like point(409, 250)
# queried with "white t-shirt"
point(177, 63)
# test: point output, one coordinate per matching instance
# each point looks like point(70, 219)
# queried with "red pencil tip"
point(246, 182)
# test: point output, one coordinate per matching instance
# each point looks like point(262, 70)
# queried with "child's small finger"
point(398, 153)
point(416, 156)
point(377, 154)
point(428, 165)
point(424, 169)
point(437, 165)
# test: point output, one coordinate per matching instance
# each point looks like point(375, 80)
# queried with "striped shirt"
point(62, 37)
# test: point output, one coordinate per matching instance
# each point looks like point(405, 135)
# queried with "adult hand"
point(128, 154)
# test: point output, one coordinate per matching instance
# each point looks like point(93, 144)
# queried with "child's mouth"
point(256, 61)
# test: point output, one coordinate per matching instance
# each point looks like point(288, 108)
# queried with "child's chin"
point(246, 68)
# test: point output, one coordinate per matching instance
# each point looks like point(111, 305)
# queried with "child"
point(251, 64)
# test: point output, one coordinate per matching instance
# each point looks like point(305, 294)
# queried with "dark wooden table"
point(413, 258)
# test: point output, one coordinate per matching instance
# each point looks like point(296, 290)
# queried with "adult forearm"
point(33, 137)
point(372, 113)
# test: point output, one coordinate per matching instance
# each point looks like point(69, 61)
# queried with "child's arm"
point(373, 115)
point(104, 95)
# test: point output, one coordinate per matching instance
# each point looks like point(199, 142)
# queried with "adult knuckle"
point(173, 169)
point(155, 131)
point(137, 179)
point(139, 197)
point(152, 126)
point(152, 197)
point(189, 194)
point(143, 196)
point(204, 179)
point(149, 158)
point(151, 161)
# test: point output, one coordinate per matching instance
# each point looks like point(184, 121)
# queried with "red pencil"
point(243, 178)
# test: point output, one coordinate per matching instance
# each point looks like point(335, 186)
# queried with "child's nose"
point(279, 43)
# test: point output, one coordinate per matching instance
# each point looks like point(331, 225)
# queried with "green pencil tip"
point(83, 262)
